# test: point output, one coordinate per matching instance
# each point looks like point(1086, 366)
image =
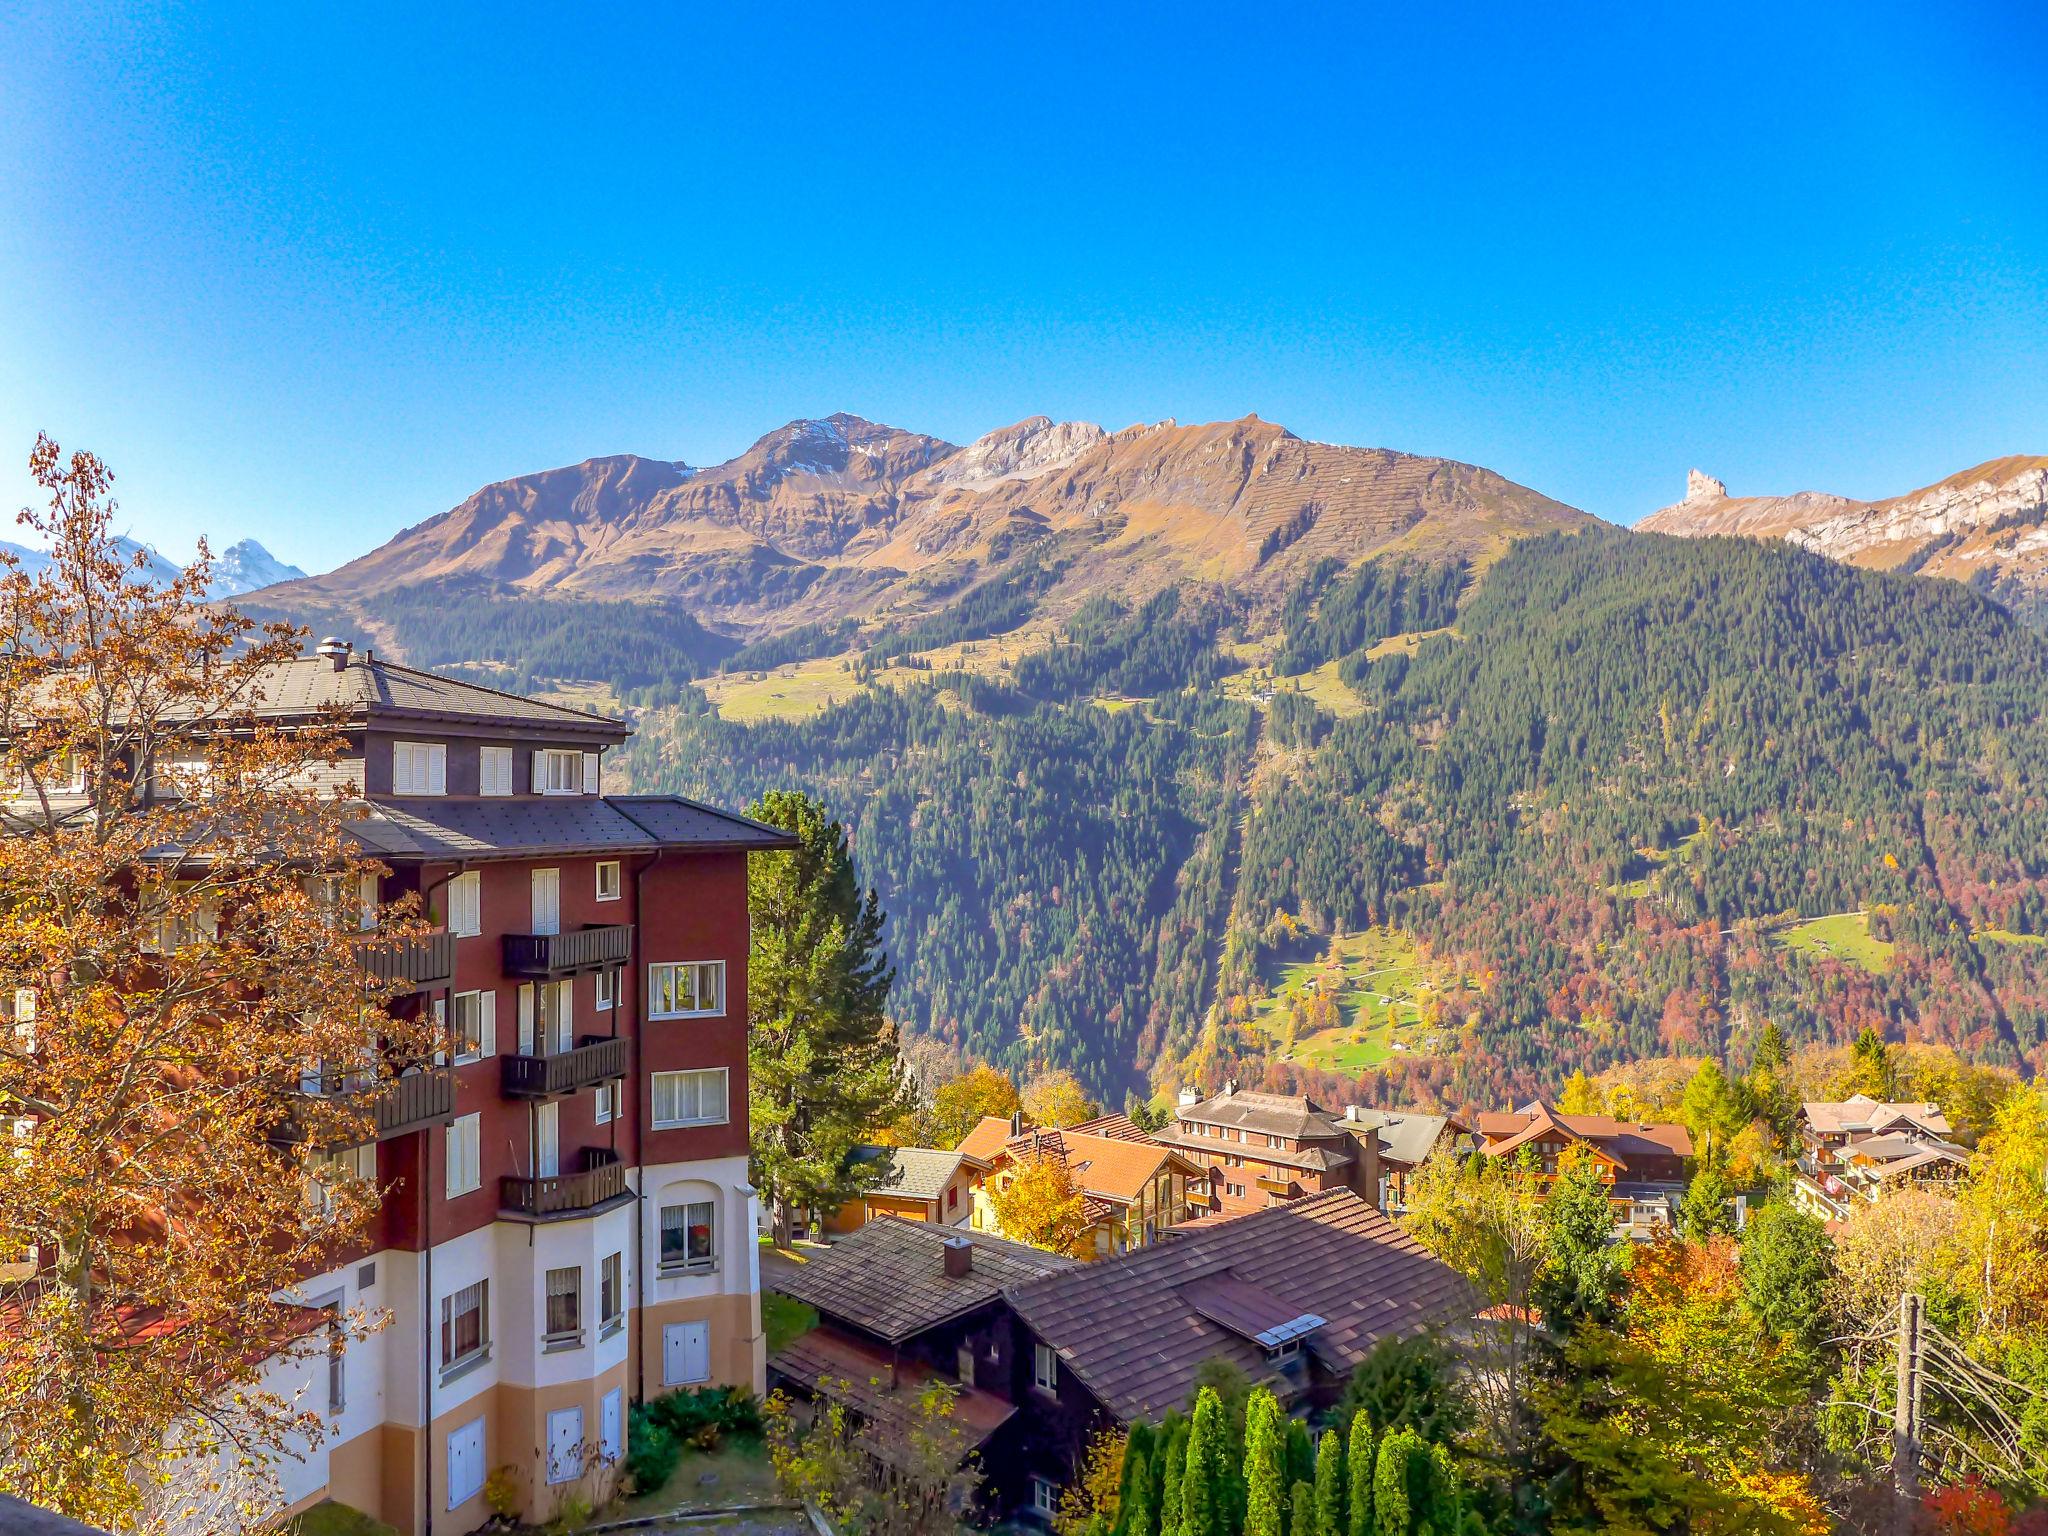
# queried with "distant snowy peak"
point(240, 568)
point(244, 567)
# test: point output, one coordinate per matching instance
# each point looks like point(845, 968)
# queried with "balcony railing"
point(601, 1180)
point(595, 1059)
point(564, 954)
point(397, 1107)
point(413, 964)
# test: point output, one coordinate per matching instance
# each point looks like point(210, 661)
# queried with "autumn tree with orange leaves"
point(178, 955)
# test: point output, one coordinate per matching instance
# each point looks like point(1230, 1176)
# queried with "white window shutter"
point(440, 1032)
point(568, 996)
point(590, 773)
point(539, 782)
point(437, 770)
point(488, 1007)
point(526, 1019)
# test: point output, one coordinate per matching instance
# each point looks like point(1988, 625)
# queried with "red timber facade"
point(567, 1225)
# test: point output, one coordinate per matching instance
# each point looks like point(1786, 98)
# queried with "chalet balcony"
point(411, 965)
point(397, 1107)
point(598, 1185)
point(595, 1059)
point(545, 956)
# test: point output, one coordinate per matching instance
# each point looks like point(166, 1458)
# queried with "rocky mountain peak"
point(1032, 447)
point(1700, 486)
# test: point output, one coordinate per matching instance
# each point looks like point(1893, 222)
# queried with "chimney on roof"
point(336, 650)
point(1190, 1097)
point(1016, 1122)
point(1230, 1088)
point(959, 1256)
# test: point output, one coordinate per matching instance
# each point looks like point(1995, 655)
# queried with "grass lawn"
point(1639, 888)
point(1380, 984)
point(738, 1472)
point(1323, 685)
point(2006, 936)
point(1839, 936)
point(784, 1318)
point(329, 1518)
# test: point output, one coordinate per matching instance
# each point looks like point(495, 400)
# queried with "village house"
point(566, 1225)
point(1861, 1149)
point(1407, 1139)
point(1642, 1162)
point(1261, 1149)
point(917, 1183)
point(1134, 1187)
point(1295, 1296)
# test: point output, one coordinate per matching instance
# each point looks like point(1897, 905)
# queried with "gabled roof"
point(1406, 1137)
point(918, 1173)
point(988, 1138)
point(1130, 1332)
point(1123, 1127)
point(1618, 1141)
point(885, 1389)
point(426, 828)
point(369, 688)
point(1115, 1169)
point(1860, 1112)
point(1293, 1115)
point(1894, 1148)
point(889, 1277)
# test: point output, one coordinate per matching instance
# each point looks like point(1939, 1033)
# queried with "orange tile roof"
point(986, 1139)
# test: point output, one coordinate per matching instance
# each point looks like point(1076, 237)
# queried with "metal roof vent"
point(336, 650)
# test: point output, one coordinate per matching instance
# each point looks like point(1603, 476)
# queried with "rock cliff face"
point(842, 517)
point(1987, 526)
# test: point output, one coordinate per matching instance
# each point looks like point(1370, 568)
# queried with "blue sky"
point(314, 274)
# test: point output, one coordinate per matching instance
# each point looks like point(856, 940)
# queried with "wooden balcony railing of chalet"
point(397, 1108)
point(564, 954)
point(602, 1178)
point(595, 1059)
point(427, 961)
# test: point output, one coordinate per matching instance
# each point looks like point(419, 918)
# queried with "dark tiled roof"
point(885, 1391)
point(889, 1278)
point(1292, 1115)
point(368, 687)
point(1406, 1137)
point(1127, 1330)
point(429, 828)
point(917, 1173)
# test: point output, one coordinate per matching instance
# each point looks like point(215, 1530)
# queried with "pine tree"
point(1202, 1492)
point(821, 1059)
point(1301, 1452)
point(1359, 1458)
point(1265, 1466)
point(1329, 1495)
point(1136, 1469)
point(1176, 1460)
point(1390, 1482)
point(1135, 1514)
point(1301, 1501)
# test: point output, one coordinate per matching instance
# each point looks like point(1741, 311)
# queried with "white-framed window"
point(419, 768)
point(557, 1004)
point(557, 772)
point(611, 1292)
point(329, 1171)
point(690, 1098)
point(606, 1102)
point(465, 1324)
point(170, 929)
point(474, 1033)
point(1045, 1496)
point(19, 1009)
point(607, 989)
point(465, 1462)
point(1045, 1368)
point(689, 1237)
point(608, 882)
point(466, 904)
point(686, 989)
point(547, 901)
point(494, 771)
point(564, 1320)
point(465, 1154)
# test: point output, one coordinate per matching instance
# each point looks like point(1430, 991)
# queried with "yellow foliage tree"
point(1057, 1098)
point(1039, 1205)
point(178, 933)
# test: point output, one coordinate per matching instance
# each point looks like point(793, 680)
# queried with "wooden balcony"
point(410, 965)
point(397, 1107)
point(595, 1059)
point(598, 1185)
point(547, 955)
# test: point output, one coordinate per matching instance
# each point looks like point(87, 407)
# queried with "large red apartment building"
point(567, 1225)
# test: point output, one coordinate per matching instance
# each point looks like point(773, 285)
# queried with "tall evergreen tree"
point(1175, 1472)
point(1265, 1466)
point(821, 1058)
point(1136, 1515)
point(1301, 1503)
point(1390, 1482)
point(1331, 1514)
point(1360, 1462)
point(1301, 1451)
point(1584, 1276)
point(1203, 1491)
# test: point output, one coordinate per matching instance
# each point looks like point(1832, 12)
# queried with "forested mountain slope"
point(1609, 814)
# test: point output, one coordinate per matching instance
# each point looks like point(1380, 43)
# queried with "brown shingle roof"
point(1861, 1112)
point(917, 1173)
point(1619, 1139)
point(889, 1278)
point(885, 1390)
point(1130, 1334)
point(1293, 1115)
point(369, 687)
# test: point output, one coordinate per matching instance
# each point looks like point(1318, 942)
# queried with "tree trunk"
point(784, 1221)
